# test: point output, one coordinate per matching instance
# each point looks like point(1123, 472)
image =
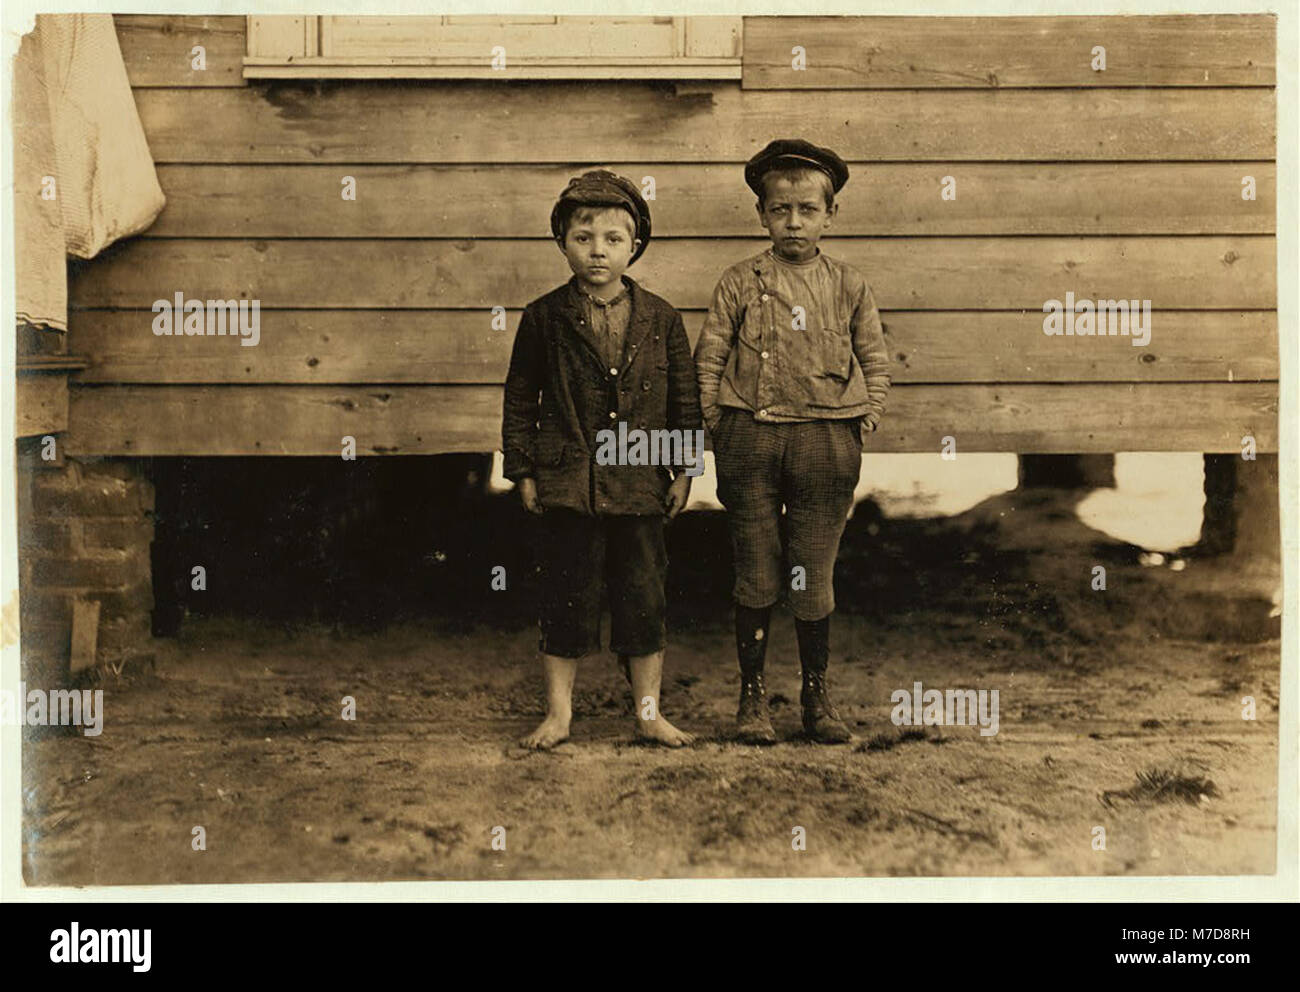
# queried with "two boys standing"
point(789, 372)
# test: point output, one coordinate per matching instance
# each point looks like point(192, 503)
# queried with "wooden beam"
point(312, 420)
point(505, 201)
point(519, 69)
point(85, 634)
point(1066, 471)
point(458, 346)
point(51, 363)
point(1256, 505)
point(1218, 518)
point(1003, 52)
point(393, 122)
point(1242, 517)
point(1231, 273)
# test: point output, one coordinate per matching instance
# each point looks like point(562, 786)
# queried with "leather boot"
point(821, 721)
point(753, 725)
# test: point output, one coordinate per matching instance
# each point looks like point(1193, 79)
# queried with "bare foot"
point(549, 732)
point(660, 731)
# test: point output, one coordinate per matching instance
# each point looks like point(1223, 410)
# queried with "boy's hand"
point(675, 501)
point(528, 495)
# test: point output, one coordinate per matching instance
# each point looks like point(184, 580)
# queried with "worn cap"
point(795, 153)
point(604, 188)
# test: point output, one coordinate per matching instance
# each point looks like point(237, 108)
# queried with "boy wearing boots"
point(793, 371)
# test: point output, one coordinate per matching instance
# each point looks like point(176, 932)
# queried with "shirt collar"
point(778, 260)
point(581, 297)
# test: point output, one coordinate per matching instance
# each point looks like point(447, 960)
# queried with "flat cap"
point(789, 153)
point(603, 188)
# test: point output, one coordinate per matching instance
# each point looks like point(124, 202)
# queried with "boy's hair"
point(794, 173)
point(569, 210)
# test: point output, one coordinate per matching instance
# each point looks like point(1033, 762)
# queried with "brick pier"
point(85, 529)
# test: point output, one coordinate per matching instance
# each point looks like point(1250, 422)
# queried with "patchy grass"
point(1162, 785)
point(887, 742)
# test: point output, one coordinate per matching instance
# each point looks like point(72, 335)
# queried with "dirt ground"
point(237, 728)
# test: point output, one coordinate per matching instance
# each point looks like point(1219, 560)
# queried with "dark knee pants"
point(581, 557)
point(810, 469)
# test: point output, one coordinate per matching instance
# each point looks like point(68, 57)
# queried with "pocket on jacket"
point(550, 451)
point(837, 354)
point(752, 319)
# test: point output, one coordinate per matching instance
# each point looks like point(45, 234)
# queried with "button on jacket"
point(561, 390)
point(792, 342)
point(608, 320)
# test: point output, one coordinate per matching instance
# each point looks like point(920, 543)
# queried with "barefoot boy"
point(792, 369)
point(595, 358)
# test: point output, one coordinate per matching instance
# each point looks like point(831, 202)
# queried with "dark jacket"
point(560, 392)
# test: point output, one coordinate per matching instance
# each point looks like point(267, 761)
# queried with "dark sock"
point(814, 645)
point(751, 638)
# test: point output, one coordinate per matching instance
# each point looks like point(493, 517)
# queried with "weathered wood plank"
point(85, 634)
point(1189, 346)
point(456, 346)
point(312, 420)
point(41, 403)
point(1199, 273)
point(157, 49)
point(304, 201)
point(549, 122)
point(909, 52)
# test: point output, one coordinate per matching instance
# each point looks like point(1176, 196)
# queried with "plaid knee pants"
point(810, 469)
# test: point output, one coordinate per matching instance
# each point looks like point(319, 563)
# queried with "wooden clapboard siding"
point(455, 346)
point(1123, 183)
point(40, 404)
point(157, 49)
point(312, 420)
point(1195, 273)
point(902, 52)
point(915, 52)
point(358, 123)
point(504, 201)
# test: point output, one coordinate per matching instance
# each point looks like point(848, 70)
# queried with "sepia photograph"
point(462, 446)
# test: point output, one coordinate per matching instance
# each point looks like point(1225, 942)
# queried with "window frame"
point(301, 47)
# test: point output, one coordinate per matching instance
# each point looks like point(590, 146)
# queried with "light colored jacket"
point(793, 342)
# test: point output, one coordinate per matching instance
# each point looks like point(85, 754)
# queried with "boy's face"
point(599, 245)
point(795, 214)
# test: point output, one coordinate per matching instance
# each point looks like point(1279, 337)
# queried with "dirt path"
point(238, 730)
